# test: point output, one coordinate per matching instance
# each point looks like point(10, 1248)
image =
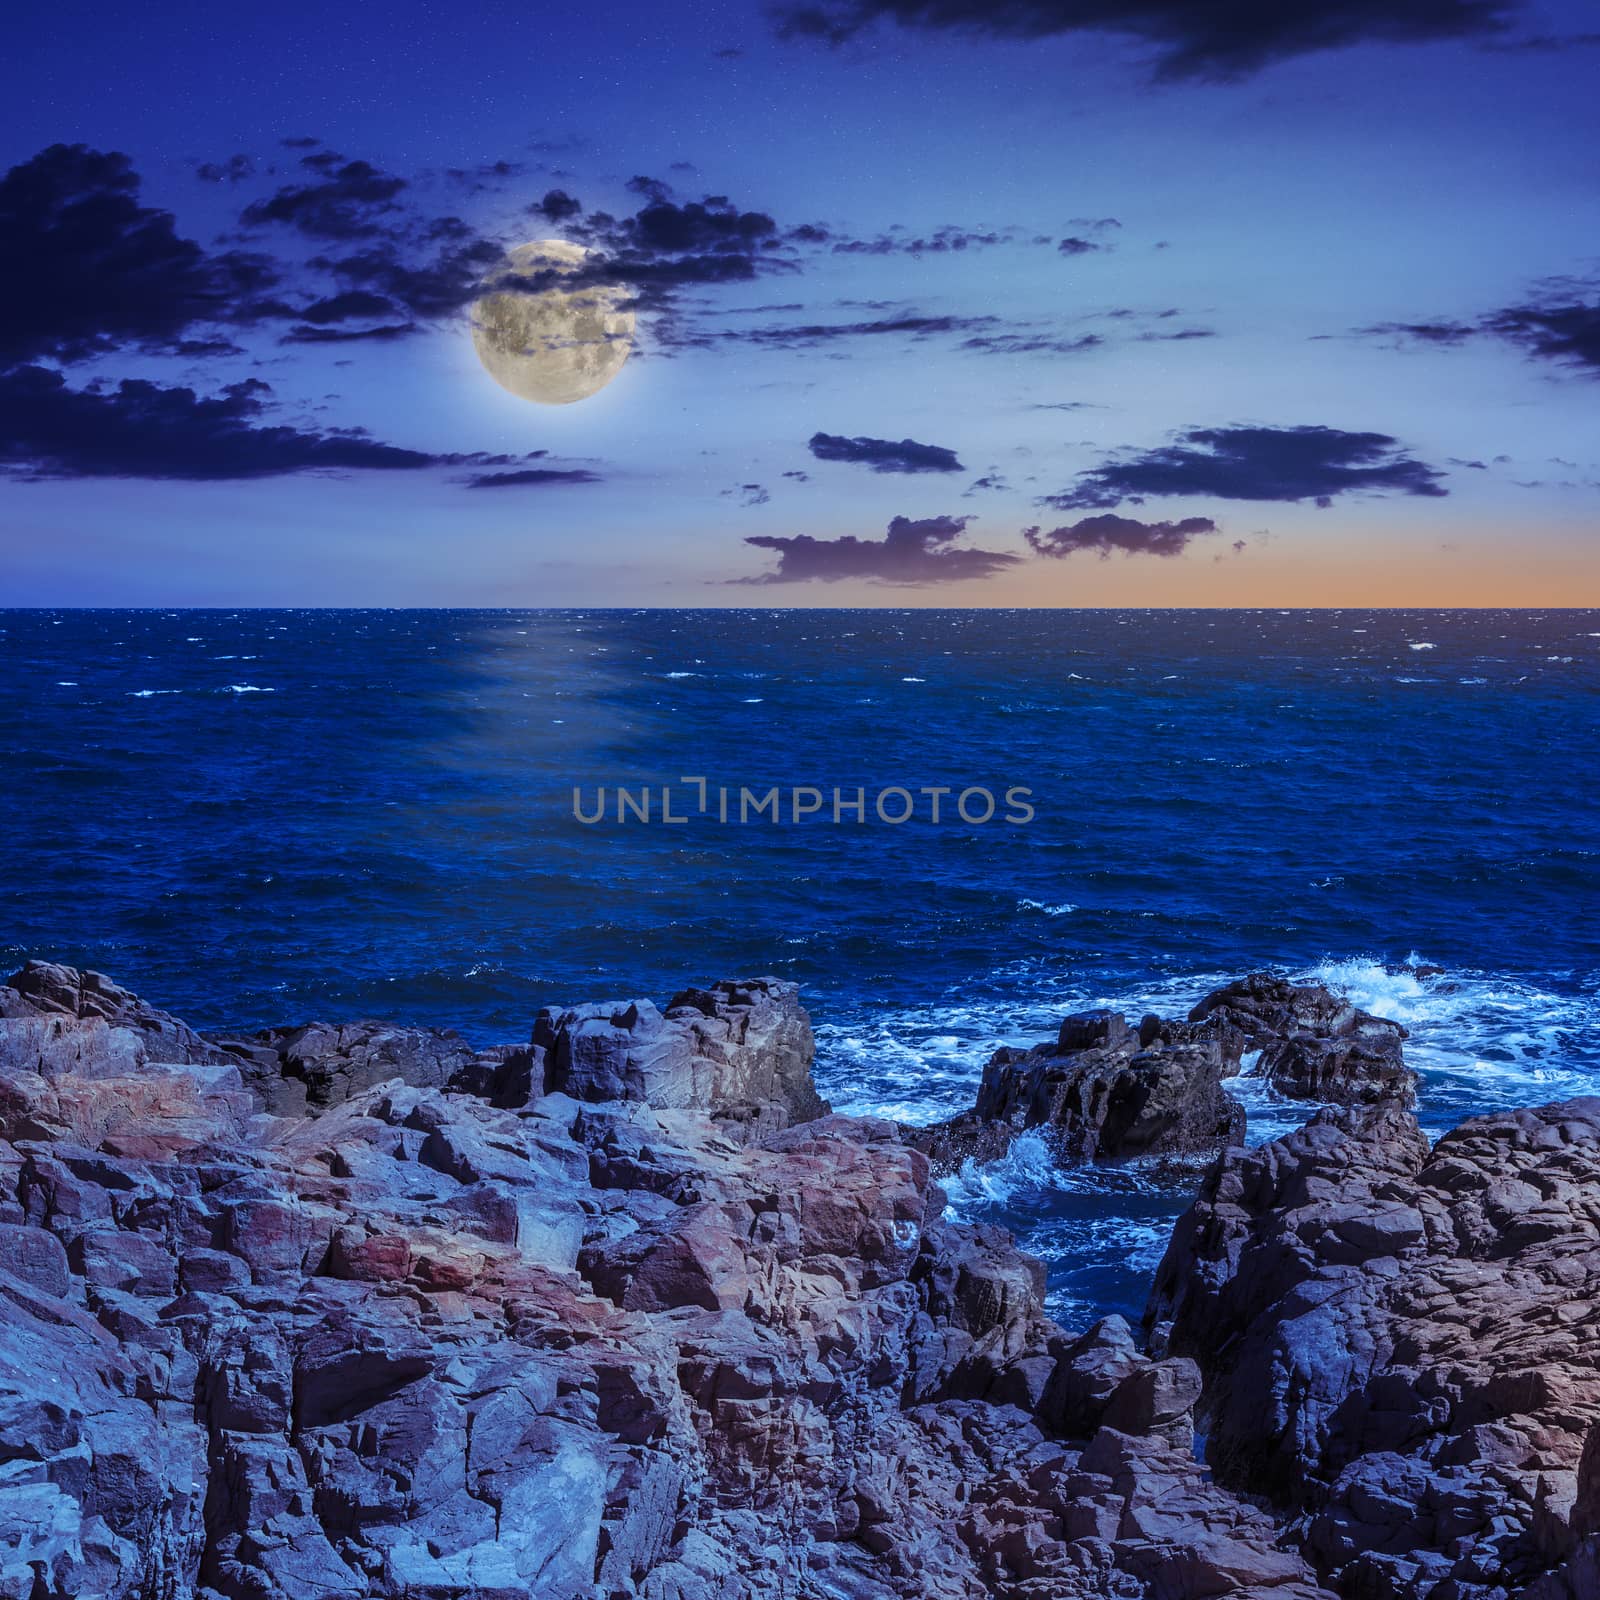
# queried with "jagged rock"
point(1265, 1005)
point(1352, 1070)
point(419, 1346)
point(1314, 1045)
point(1398, 1344)
point(742, 1050)
point(1101, 1091)
point(47, 989)
point(304, 1069)
point(58, 1022)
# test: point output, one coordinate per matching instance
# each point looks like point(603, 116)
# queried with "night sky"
point(958, 302)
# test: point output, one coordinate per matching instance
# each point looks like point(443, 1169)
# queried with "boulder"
point(1314, 1044)
point(1397, 1343)
point(1100, 1091)
point(740, 1050)
point(301, 1070)
point(695, 1341)
point(48, 989)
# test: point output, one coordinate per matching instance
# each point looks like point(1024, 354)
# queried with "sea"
point(253, 817)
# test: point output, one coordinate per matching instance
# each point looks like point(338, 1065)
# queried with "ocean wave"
point(1026, 1168)
point(1479, 1043)
point(1065, 909)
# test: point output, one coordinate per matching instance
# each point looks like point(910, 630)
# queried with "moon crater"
point(552, 345)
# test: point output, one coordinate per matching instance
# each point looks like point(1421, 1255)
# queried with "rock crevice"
point(619, 1314)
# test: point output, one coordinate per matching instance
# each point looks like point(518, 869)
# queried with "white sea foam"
point(148, 694)
point(1478, 1041)
point(1422, 645)
point(247, 688)
point(1065, 909)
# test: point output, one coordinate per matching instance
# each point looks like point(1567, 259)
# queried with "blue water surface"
point(258, 816)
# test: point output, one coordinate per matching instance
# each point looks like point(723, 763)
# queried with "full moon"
point(552, 345)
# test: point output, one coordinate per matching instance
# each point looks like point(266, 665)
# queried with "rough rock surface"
point(1313, 1044)
point(1401, 1346)
point(293, 1071)
point(618, 1338)
point(1101, 1090)
point(741, 1049)
point(57, 1018)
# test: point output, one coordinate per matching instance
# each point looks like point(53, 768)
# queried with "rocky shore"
point(622, 1311)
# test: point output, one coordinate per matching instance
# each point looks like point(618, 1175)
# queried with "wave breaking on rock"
point(624, 1312)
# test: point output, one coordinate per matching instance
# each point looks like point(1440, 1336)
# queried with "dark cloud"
point(884, 455)
point(378, 241)
point(1155, 326)
point(657, 189)
point(234, 170)
point(198, 348)
point(384, 333)
point(558, 206)
point(425, 283)
point(532, 478)
point(663, 227)
point(915, 551)
point(1446, 333)
point(139, 429)
point(948, 240)
point(749, 494)
point(86, 267)
point(342, 200)
point(1027, 344)
point(487, 175)
point(1076, 246)
point(811, 335)
point(984, 334)
point(347, 305)
point(1558, 321)
point(1207, 39)
point(1256, 463)
point(665, 247)
point(1108, 532)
